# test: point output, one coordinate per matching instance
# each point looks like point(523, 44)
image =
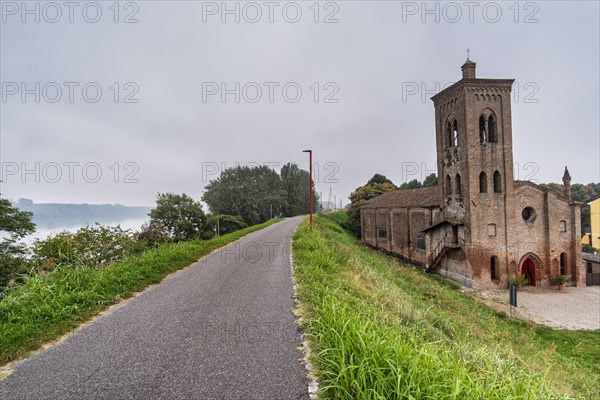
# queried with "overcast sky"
point(366, 71)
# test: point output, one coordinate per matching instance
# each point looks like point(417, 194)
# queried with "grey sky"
point(375, 50)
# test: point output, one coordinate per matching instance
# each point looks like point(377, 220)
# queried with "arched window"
point(454, 133)
point(492, 136)
point(494, 268)
point(497, 183)
point(482, 133)
point(482, 183)
point(563, 263)
point(448, 185)
point(457, 185)
point(449, 134)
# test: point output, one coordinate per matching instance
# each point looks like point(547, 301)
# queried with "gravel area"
point(574, 308)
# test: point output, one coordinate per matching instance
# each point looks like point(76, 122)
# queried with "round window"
point(528, 214)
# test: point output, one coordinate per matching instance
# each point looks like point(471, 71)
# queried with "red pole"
point(310, 188)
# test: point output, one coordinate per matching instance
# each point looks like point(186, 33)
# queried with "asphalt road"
point(221, 328)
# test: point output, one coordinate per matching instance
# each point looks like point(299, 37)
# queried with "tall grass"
point(380, 329)
point(47, 306)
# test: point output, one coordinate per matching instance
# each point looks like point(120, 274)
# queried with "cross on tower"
point(468, 51)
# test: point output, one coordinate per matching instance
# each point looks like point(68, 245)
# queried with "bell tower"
point(474, 153)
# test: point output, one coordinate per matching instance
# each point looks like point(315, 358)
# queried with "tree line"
point(257, 193)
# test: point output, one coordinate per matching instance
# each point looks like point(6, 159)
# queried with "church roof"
point(555, 191)
point(519, 184)
point(422, 197)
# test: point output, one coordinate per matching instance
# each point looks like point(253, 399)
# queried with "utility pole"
point(310, 185)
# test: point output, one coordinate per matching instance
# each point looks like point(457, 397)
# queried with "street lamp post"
point(310, 185)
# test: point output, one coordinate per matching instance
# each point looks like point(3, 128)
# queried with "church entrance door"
point(528, 271)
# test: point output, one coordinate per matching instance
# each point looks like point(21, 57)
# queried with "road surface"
point(221, 328)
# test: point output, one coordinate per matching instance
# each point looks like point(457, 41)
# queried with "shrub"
point(92, 245)
point(560, 279)
point(518, 281)
point(11, 269)
point(152, 235)
point(14, 226)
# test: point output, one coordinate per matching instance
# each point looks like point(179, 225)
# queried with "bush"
point(518, 281)
point(89, 246)
point(152, 235)
point(11, 269)
point(560, 279)
point(588, 248)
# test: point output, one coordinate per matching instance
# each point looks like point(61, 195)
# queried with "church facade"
point(478, 226)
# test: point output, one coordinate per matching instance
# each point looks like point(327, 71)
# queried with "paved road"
point(219, 329)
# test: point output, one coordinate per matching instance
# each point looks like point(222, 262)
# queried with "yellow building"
point(593, 237)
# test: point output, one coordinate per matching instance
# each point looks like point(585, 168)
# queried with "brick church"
point(478, 226)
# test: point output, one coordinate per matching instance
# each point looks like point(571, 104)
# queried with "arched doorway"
point(528, 268)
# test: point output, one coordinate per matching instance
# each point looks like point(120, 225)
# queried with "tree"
point(226, 223)
point(360, 195)
point(430, 180)
point(14, 226)
point(249, 192)
point(414, 184)
point(295, 185)
point(376, 186)
point(257, 193)
point(378, 178)
point(181, 215)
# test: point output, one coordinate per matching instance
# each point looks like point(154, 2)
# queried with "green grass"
point(47, 306)
point(381, 329)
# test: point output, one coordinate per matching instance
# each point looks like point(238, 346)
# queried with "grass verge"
point(381, 329)
point(47, 306)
